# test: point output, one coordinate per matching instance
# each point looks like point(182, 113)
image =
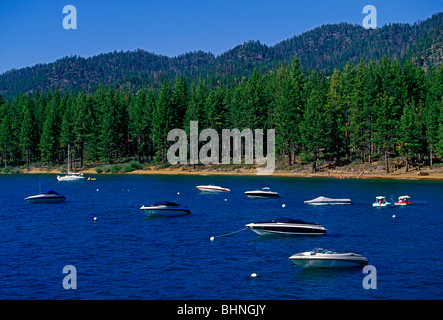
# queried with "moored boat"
point(71, 176)
point(320, 201)
point(403, 201)
point(380, 201)
point(48, 196)
point(264, 193)
point(287, 226)
point(323, 258)
point(165, 208)
point(212, 188)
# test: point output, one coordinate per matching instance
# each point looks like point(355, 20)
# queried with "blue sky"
point(31, 32)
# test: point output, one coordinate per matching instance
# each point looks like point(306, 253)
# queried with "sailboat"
point(71, 176)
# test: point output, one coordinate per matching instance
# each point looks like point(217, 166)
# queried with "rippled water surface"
point(123, 254)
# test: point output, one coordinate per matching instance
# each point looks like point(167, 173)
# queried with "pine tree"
point(27, 132)
point(409, 137)
point(161, 121)
point(289, 107)
point(315, 127)
point(385, 127)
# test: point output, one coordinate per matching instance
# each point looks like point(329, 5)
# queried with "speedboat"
point(71, 176)
point(48, 196)
point(165, 208)
point(403, 201)
point(264, 193)
point(211, 188)
point(287, 226)
point(322, 258)
point(380, 201)
point(320, 201)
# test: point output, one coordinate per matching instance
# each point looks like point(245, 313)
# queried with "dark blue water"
point(123, 254)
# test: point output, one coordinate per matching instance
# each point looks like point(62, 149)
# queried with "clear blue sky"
point(31, 32)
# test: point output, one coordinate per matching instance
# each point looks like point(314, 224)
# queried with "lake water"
point(123, 254)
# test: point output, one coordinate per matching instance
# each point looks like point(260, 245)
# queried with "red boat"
point(403, 201)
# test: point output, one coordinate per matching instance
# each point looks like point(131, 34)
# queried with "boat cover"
point(287, 220)
point(50, 192)
point(324, 199)
point(165, 203)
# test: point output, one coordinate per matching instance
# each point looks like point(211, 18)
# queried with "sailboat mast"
point(69, 159)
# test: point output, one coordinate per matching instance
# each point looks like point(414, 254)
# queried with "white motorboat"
point(287, 226)
point(322, 258)
point(380, 201)
point(71, 176)
point(212, 188)
point(264, 193)
point(165, 208)
point(320, 201)
point(403, 201)
point(49, 196)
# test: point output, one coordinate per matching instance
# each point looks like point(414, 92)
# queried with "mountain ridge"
point(323, 48)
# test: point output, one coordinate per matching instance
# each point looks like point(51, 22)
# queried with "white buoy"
point(178, 192)
point(95, 218)
point(211, 238)
point(253, 275)
point(226, 199)
point(97, 189)
point(393, 216)
point(283, 205)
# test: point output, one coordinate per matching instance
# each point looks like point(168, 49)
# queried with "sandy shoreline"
point(413, 175)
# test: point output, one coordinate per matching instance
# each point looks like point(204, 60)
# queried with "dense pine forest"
point(365, 112)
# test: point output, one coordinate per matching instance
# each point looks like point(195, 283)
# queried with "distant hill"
point(323, 48)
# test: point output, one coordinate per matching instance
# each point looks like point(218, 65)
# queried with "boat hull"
point(403, 203)
point(165, 212)
point(263, 195)
point(307, 262)
point(212, 189)
point(286, 229)
point(34, 199)
point(71, 178)
point(381, 204)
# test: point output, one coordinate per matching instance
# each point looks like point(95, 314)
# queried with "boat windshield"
point(165, 203)
point(50, 192)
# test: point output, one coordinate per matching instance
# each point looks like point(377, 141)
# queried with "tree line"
point(366, 112)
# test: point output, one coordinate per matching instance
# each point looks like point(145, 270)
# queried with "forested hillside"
point(324, 49)
point(373, 110)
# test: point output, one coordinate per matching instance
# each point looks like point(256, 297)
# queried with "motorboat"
point(287, 226)
point(165, 208)
point(264, 193)
point(212, 188)
point(48, 196)
point(380, 201)
point(403, 201)
point(320, 201)
point(71, 176)
point(323, 258)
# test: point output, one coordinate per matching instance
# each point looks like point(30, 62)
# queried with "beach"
point(435, 174)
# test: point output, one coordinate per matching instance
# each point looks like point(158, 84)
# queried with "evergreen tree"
point(161, 121)
point(385, 127)
point(289, 108)
point(315, 127)
point(27, 131)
